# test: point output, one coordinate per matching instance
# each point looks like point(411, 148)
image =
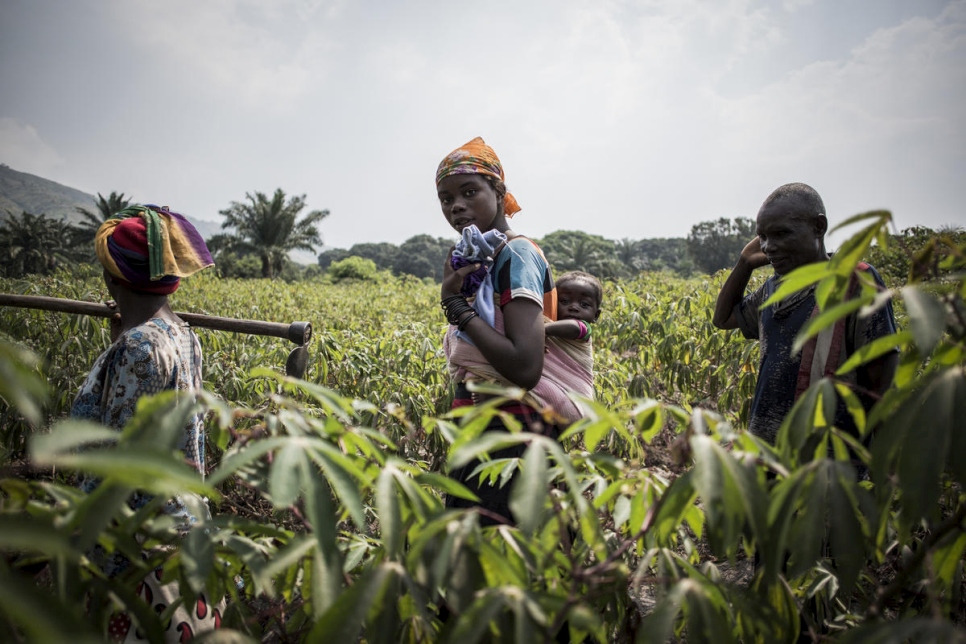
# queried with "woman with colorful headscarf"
point(499, 336)
point(145, 251)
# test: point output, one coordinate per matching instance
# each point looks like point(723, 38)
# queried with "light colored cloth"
point(476, 157)
point(567, 368)
point(475, 247)
point(186, 621)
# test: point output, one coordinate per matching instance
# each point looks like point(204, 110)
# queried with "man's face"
point(788, 239)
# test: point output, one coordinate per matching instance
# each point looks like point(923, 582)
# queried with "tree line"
point(261, 231)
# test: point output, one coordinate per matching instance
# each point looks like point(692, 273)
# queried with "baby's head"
point(579, 296)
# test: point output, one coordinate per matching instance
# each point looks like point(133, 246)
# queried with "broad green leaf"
point(250, 453)
point(283, 479)
point(810, 526)
point(197, 558)
point(801, 277)
point(925, 448)
point(473, 623)
point(825, 319)
point(882, 217)
point(345, 477)
point(143, 468)
point(489, 442)
point(848, 529)
point(20, 532)
point(876, 348)
point(675, 503)
point(729, 492)
point(69, 435)
point(446, 484)
point(21, 385)
point(530, 491)
point(342, 622)
point(287, 556)
point(327, 565)
point(390, 516)
point(947, 560)
point(927, 318)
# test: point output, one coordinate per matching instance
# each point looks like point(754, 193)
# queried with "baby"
point(579, 297)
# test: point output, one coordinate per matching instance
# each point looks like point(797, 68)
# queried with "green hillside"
point(20, 191)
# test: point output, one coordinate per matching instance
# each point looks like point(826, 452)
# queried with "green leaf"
point(197, 558)
point(283, 479)
point(927, 318)
point(327, 564)
point(925, 448)
point(730, 493)
point(825, 319)
point(69, 435)
point(250, 453)
point(531, 489)
point(489, 442)
point(20, 383)
point(475, 621)
point(286, 557)
point(390, 516)
point(848, 528)
point(801, 277)
point(446, 485)
point(343, 621)
point(24, 604)
point(143, 468)
point(876, 348)
point(19, 532)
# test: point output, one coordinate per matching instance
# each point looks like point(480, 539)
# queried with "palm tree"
point(91, 221)
point(268, 228)
point(33, 244)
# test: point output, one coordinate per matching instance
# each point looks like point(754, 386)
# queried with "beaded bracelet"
point(454, 307)
point(583, 330)
point(464, 321)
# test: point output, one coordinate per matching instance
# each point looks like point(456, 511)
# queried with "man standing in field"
point(791, 233)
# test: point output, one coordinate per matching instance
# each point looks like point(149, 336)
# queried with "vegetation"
point(34, 244)
point(90, 221)
point(269, 229)
point(715, 245)
point(328, 523)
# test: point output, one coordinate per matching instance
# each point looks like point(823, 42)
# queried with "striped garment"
point(150, 248)
point(568, 368)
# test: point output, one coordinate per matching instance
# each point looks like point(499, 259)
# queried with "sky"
point(625, 119)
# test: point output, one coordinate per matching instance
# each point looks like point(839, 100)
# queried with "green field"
point(326, 492)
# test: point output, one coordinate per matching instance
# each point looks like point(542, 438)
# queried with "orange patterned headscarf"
point(476, 157)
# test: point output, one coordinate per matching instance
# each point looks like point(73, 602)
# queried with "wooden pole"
point(298, 332)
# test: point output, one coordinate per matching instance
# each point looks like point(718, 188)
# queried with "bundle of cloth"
point(150, 248)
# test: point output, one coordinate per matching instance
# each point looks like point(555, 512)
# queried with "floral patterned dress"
point(152, 357)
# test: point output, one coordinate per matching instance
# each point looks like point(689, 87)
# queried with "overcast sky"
point(633, 119)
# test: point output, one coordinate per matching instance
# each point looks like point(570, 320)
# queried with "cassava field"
point(640, 525)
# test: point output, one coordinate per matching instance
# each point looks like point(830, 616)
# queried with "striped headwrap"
point(149, 248)
point(476, 157)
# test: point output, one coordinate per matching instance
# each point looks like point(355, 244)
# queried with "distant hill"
point(20, 192)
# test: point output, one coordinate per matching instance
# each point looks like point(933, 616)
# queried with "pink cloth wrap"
point(568, 367)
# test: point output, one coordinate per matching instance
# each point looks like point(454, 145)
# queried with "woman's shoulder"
point(154, 336)
point(523, 247)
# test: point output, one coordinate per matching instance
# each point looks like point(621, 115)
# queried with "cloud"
point(22, 148)
point(267, 55)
